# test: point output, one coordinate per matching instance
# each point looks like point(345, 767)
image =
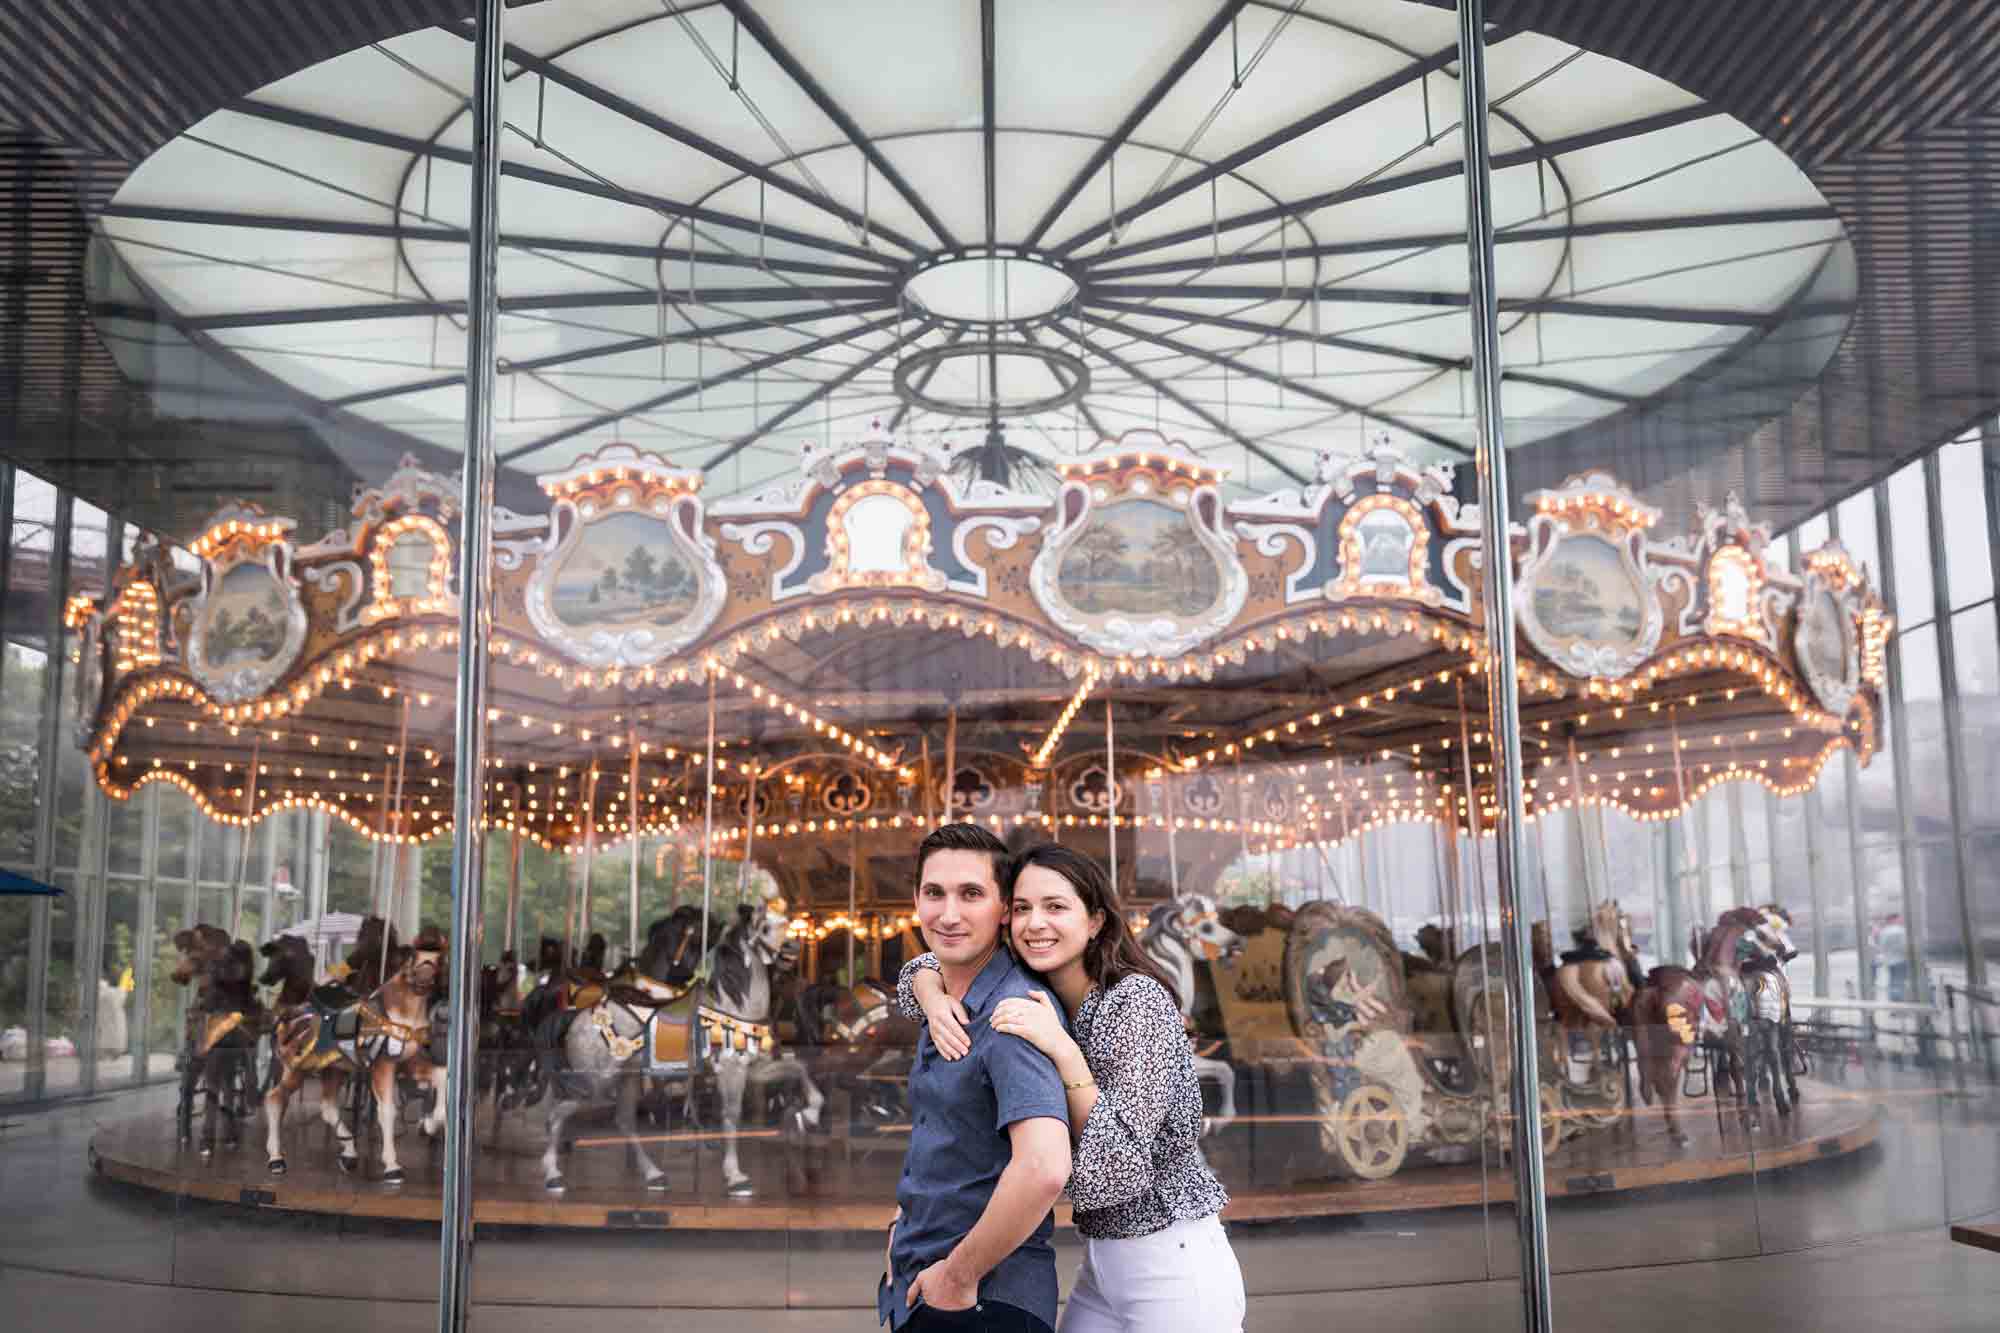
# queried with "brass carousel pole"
point(853, 885)
point(708, 823)
point(243, 839)
point(589, 853)
point(749, 833)
point(393, 891)
point(1173, 851)
point(632, 817)
point(1496, 546)
point(513, 927)
point(950, 758)
point(930, 785)
point(1111, 785)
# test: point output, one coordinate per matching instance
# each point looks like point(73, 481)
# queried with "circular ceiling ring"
point(1069, 370)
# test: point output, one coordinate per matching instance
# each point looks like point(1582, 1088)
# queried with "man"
point(989, 1138)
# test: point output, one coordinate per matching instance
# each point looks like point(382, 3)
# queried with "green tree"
point(641, 573)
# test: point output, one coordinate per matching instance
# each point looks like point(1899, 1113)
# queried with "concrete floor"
point(1849, 1243)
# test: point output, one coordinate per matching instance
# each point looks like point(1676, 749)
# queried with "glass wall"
point(1013, 415)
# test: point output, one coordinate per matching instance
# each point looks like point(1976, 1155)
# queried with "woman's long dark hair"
point(1112, 954)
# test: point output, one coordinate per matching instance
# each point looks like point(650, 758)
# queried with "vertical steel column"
point(141, 1012)
point(49, 744)
point(1530, 1203)
point(1915, 918)
point(1739, 849)
point(1954, 722)
point(475, 563)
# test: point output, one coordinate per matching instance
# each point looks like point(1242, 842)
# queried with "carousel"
point(801, 680)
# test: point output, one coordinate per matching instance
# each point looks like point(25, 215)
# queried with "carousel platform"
point(831, 1182)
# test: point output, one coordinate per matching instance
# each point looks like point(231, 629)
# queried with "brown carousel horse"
point(1592, 988)
point(1680, 1006)
point(224, 1025)
point(377, 1036)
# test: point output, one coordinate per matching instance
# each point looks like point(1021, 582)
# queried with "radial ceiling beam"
point(1165, 390)
point(754, 24)
point(924, 379)
point(1082, 403)
point(1570, 386)
point(329, 125)
point(704, 145)
point(989, 146)
point(826, 389)
point(1517, 235)
point(1277, 138)
point(1335, 340)
point(515, 305)
point(1296, 210)
point(209, 217)
point(697, 333)
point(1304, 390)
point(752, 367)
point(1184, 62)
point(1203, 291)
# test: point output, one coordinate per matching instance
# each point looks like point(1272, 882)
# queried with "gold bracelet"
point(1080, 1083)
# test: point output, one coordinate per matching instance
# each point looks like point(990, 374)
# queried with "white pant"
point(1181, 1280)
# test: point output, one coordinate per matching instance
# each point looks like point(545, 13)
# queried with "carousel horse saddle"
point(1589, 953)
point(332, 995)
point(218, 1026)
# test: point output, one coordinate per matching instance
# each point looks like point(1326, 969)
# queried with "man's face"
point(959, 906)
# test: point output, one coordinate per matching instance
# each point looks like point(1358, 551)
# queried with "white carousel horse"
point(737, 1030)
point(1175, 934)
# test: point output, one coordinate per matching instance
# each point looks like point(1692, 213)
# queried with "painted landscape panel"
point(623, 573)
point(245, 622)
point(1587, 593)
point(1139, 558)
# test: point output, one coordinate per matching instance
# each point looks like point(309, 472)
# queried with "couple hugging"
point(1053, 1056)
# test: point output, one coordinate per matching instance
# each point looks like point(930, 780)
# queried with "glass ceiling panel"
point(801, 307)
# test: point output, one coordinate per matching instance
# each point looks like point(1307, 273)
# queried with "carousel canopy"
point(1007, 231)
point(877, 641)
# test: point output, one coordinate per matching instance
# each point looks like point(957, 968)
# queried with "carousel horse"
point(375, 1037)
point(1670, 1012)
point(225, 1049)
point(1592, 988)
point(198, 947)
point(1739, 935)
point(1778, 924)
point(1174, 934)
point(369, 962)
point(1763, 979)
point(289, 967)
point(1680, 1007)
point(735, 1018)
point(601, 1051)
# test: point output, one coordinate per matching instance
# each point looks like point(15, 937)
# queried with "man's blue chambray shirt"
point(960, 1111)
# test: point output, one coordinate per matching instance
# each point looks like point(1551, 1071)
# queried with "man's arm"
point(1027, 1189)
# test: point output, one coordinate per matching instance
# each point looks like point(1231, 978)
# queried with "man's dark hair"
point(962, 838)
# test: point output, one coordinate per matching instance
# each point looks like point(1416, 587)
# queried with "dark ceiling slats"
point(1889, 107)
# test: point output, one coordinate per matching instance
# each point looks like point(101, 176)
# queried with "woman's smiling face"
point(1049, 925)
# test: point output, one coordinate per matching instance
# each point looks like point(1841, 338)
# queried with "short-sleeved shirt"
point(960, 1111)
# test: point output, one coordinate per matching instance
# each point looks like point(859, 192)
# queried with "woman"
point(1145, 1201)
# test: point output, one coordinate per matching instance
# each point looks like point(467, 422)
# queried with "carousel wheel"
point(1372, 1135)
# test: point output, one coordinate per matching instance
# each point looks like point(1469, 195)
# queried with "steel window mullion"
point(1953, 719)
point(47, 787)
point(1899, 753)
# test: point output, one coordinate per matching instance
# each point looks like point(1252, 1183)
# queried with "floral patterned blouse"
point(1138, 1166)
